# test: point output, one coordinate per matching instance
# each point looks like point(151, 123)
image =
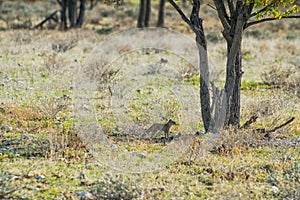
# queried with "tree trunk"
point(160, 22)
point(225, 109)
point(204, 78)
point(80, 18)
point(233, 71)
point(72, 12)
point(234, 117)
point(140, 23)
point(195, 22)
point(233, 24)
point(196, 25)
point(147, 13)
point(63, 18)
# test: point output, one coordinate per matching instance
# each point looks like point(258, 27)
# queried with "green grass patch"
point(253, 85)
point(195, 80)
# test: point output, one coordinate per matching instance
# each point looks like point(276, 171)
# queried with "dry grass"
point(41, 154)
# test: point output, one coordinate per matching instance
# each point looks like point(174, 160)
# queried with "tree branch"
point(231, 7)
point(59, 2)
point(211, 6)
point(260, 11)
point(49, 17)
point(268, 132)
point(183, 16)
point(237, 37)
point(249, 9)
point(223, 16)
point(268, 19)
point(282, 125)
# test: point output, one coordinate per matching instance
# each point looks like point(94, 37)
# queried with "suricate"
point(155, 129)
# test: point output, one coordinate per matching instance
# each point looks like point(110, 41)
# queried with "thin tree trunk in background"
point(63, 18)
point(72, 12)
point(140, 23)
point(80, 18)
point(160, 21)
point(147, 13)
point(92, 4)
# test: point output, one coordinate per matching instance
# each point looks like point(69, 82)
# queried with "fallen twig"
point(249, 122)
point(268, 132)
point(51, 16)
point(282, 125)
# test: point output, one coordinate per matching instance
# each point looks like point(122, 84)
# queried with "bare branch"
point(211, 6)
point(268, 19)
point(183, 16)
point(231, 7)
point(249, 9)
point(195, 9)
point(223, 16)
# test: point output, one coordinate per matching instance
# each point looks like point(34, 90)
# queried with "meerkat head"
point(172, 122)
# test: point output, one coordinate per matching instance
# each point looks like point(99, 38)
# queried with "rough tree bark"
point(196, 23)
point(233, 30)
point(235, 106)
